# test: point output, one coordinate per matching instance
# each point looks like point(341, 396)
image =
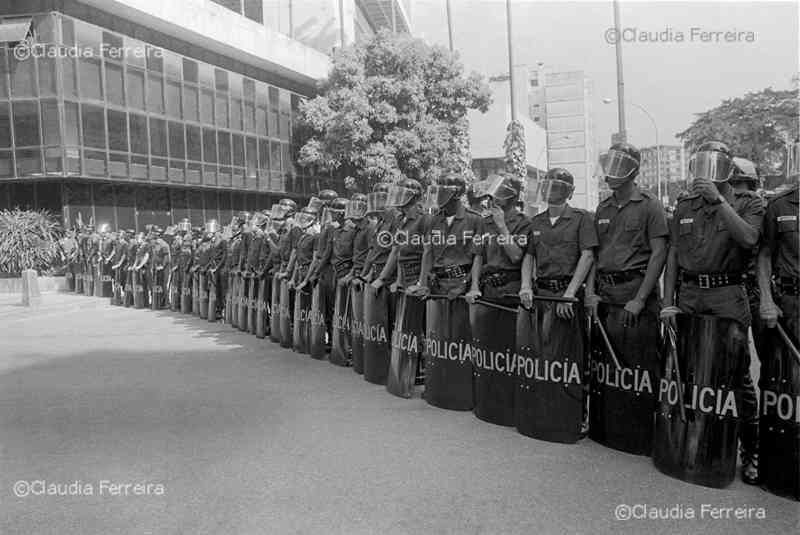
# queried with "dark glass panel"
point(48, 197)
point(47, 76)
point(23, 77)
point(177, 148)
point(155, 93)
point(52, 160)
point(275, 155)
point(91, 83)
point(207, 106)
point(23, 196)
point(6, 164)
point(51, 131)
point(179, 204)
point(5, 125)
point(225, 210)
point(190, 104)
point(135, 86)
point(189, 70)
point(29, 162)
point(3, 74)
point(78, 198)
point(221, 110)
point(172, 65)
point(117, 130)
point(71, 121)
point(174, 98)
point(152, 206)
point(114, 84)
point(209, 145)
point(155, 59)
point(263, 154)
point(138, 133)
point(254, 10)
point(70, 75)
point(126, 207)
point(26, 123)
point(236, 114)
point(113, 47)
point(94, 128)
point(220, 80)
point(158, 137)
point(252, 157)
point(238, 150)
point(224, 144)
point(194, 142)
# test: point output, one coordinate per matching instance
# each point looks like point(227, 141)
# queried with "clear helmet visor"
point(356, 209)
point(212, 226)
point(398, 196)
point(499, 188)
point(711, 165)
point(376, 202)
point(304, 220)
point(437, 196)
point(278, 211)
point(315, 204)
point(534, 200)
point(618, 164)
point(553, 191)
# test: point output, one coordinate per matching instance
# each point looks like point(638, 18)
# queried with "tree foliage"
point(28, 240)
point(392, 106)
point(755, 126)
point(514, 146)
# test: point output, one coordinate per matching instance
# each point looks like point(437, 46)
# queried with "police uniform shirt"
point(379, 249)
point(494, 253)
point(304, 252)
point(408, 236)
point(160, 253)
point(341, 246)
point(557, 247)
point(781, 233)
point(624, 231)
point(219, 252)
point(254, 251)
point(703, 242)
point(458, 243)
point(361, 244)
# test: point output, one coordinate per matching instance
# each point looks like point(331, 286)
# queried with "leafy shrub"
point(28, 240)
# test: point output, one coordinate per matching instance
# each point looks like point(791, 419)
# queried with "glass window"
point(112, 47)
point(114, 84)
point(249, 89)
point(26, 123)
point(47, 76)
point(221, 110)
point(90, 79)
point(261, 121)
point(249, 117)
point(263, 154)
point(209, 145)
point(6, 166)
point(155, 59)
point(155, 93)
point(275, 155)
point(238, 150)
point(29, 161)
point(253, 10)
point(286, 112)
point(207, 106)
point(138, 133)
point(158, 137)
point(70, 77)
point(135, 52)
point(71, 132)
point(117, 130)
point(189, 70)
point(88, 36)
point(67, 31)
point(94, 128)
point(224, 144)
point(272, 123)
point(220, 80)
point(172, 65)
point(51, 132)
point(206, 74)
point(193, 142)
point(3, 73)
point(236, 114)
point(177, 148)
point(252, 156)
point(23, 77)
point(286, 155)
point(190, 104)
point(174, 98)
point(5, 125)
point(135, 86)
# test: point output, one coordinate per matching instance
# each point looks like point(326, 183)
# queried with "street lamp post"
point(658, 145)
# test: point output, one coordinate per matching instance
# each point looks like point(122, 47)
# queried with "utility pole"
point(341, 23)
point(623, 134)
point(450, 25)
point(511, 63)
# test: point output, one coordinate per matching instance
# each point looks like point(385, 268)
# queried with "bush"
point(28, 240)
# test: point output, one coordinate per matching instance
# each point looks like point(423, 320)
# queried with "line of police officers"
point(484, 305)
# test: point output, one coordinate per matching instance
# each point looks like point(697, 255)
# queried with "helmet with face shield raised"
point(744, 172)
point(621, 164)
point(503, 188)
point(445, 190)
point(712, 160)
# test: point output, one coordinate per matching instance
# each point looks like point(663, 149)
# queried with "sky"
point(671, 68)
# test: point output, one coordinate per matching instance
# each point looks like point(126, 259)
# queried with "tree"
point(514, 146)
point(755, 126)
point(392, 106)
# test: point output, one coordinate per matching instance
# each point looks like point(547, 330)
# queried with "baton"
point(673, 339)
point(788, 341)
point(608, 342)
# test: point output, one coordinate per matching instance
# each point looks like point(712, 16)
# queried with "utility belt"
point(500, 278)
point(342, 267)
point(553, 284)
point(615, 278)
point(712, 280)
point(452, 272)
point(788, 285)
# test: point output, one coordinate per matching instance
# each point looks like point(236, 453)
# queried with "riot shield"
point(186, 293)
point(407, 345)
point(447, 353)
point(252, 304)
point(213, 288)
point(157, 289)
point(286, 311)
point(340, 339)
point(88, 280)
point(316, 322)
point(357, 328)
point(106, 280)
point(236, 289)
point(138, 289)
point(97, 277)
point(377, 334)
point(301, 329)
point(129, 293)
point(779, 423)
point(202, 281)
point(623, 398)
point(262, 319)
point(699, 398)
point(493, 335)
point(245, 293)
point(69, 277)
point(195, 293)
point(229, 292)
point(550, 390)
point(78, 277)
point(274, 310)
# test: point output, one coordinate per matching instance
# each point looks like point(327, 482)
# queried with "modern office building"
point(674, 169)
point(560, 101)
point(134, 111)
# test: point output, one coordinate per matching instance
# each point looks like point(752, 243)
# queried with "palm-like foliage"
point(28, 240)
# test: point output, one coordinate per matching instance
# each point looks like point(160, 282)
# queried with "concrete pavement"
point(235, 435)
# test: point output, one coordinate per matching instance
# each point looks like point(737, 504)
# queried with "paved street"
point(244, 437)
